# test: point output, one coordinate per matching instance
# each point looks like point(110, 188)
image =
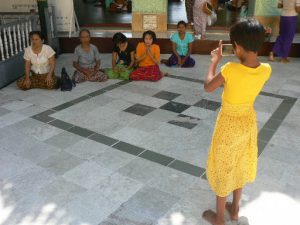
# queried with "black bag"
point(66, 83)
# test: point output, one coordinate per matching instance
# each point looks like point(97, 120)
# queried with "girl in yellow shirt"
point(232, 158)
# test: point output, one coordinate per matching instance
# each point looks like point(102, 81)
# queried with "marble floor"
point(133, 153)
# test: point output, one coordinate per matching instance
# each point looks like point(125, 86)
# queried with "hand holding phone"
point(216, 54)
point(227, 50)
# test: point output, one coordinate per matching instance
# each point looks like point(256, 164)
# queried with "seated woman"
point(182, 43)
point(234, 4)
point(86, 60)
point(122, 58)
point(40, 64)
point(148, 59)
point(118, 6)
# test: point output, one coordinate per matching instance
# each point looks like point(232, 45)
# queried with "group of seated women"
point(128, 62)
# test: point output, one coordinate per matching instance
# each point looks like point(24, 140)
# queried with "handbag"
point(66, 83)
point(212, 19)
point(207, 8)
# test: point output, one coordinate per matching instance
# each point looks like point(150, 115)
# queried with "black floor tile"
point(272, 124)
point(187, 168)
point(81, 131)
point(81, 99)
point(187, 125)
point(156, 157)
point(208, 104)
point(44, 116)
point(175, 107)
point(96, 93)
point(103, 139)
point(265, 134)
point(189, 117)
point(139, 109)
point(61, 124)
point(131, 149)
point(166, 95)
point(261, 146)
point(63, 106)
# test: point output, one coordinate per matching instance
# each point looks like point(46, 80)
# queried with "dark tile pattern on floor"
point(61, 124)
point(139, 109)
point(175, 107)
point(265, 133)
point(156, 157)
point(131, 149)
point(185, 121)
point(187, 168)
point(184, 124)
point(166, 95)
point(44, 116)
point(80, 99)
point(81, 131)
point(103, 139)
point(208, 104)
point(63, 106)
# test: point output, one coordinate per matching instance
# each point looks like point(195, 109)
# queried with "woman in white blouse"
point(40, 64)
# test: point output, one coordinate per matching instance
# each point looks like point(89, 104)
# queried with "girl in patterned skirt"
point(232, 158)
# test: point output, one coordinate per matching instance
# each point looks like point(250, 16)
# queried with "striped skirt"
point(150, 73)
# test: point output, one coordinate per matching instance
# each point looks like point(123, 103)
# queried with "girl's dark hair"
point(151, 33)
point(84, 30)
point(119, 38)
point(38, 33)
point(181, 22)
point(248, 33)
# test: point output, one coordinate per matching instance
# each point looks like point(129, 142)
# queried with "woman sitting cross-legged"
point(122, 58)
point(148, 59)
point(86, 60)
point(40, 64)
point(182, 43)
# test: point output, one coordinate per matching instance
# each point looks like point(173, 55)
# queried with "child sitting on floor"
point(148, 59)
point(122, 58)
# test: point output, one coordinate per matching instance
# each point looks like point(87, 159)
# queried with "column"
point(42, 5)
point(149, 15)
point(267, 13)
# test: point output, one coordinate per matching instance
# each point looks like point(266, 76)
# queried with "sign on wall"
point(149, 22)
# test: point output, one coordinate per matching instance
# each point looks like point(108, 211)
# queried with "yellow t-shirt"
point(242, 83)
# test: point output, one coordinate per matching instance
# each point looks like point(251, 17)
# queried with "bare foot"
point(164, 74)
point(233, 215)
point(284, 60)
point(164, 61)
point(211, 217)
point(271, 56)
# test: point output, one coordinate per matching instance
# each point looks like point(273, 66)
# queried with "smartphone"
point(227, 50)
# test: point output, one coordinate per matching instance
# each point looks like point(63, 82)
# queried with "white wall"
point(64, 14)
point(17, 5)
